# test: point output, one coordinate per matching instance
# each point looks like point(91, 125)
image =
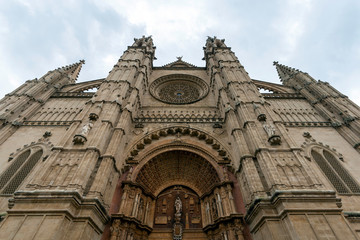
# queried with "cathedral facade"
point(179, 152)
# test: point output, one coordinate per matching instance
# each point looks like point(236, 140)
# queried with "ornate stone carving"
point(146, 42)
point(199, 174)
point(273, 138)
point(179, 89)
point(80, 138)
point(177, 229)
point(47, 123)
point(178, 209)
point(115, 229)
point(214, 42)
point(170, 115)
point(139, 145)
point(269, 129)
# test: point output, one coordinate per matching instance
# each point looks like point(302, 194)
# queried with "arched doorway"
point(177, 194)
point(165, 217)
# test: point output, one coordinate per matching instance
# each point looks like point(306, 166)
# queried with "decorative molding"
point(73, 95)
point(181, 166)
point(179, 117)
point(311, 143)
point(307, 124)
point(43, 142)
point(171, 119)
point(283, 95)
point(47, 123)
point(177, 131)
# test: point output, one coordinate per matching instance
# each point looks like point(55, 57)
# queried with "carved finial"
point(179, 58)
point(144, 42)
point(214, 43)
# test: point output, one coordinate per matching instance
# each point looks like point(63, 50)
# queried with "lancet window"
point(335, 172)
point(21, 166)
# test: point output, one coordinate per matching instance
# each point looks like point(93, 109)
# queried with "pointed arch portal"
point(177, 168)
point(149, 192)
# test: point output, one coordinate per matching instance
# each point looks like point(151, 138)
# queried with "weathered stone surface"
point(116, 162)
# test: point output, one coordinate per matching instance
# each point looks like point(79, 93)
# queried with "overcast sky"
point(321, 37)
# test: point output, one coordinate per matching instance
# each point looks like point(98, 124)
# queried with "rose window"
point(179, 89)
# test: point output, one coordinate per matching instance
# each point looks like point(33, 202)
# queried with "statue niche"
point(178, 204)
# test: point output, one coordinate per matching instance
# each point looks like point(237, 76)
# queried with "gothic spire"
point(73, 70)
point(285, 72)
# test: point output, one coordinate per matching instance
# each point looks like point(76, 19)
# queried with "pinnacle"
point(284, 71)
point(73, 69)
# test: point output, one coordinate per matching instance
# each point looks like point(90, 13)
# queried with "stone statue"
point(86, 128)
point(273, 138)
point(177, 229)
point(178, 206)
point(80, 138)
point(269, 129)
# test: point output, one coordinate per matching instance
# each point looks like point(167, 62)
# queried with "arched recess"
point(21, 165)
point(186, 145)
point(330, 164)
point(177, 169)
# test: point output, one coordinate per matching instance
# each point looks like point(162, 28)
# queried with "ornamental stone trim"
point(178, 131)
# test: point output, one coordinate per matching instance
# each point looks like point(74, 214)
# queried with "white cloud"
point(110, 59)
point(291, 25)
point(99, 31)
point(355, 95)
point(166, 19)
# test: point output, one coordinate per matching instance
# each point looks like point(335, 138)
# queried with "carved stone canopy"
point(177, 168)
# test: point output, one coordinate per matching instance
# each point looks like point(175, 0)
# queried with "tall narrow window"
point(335, 172)
point(8, 173)
point(341, 171)
point(12, 177)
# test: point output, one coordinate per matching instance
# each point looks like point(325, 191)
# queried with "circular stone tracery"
point(179, 89)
